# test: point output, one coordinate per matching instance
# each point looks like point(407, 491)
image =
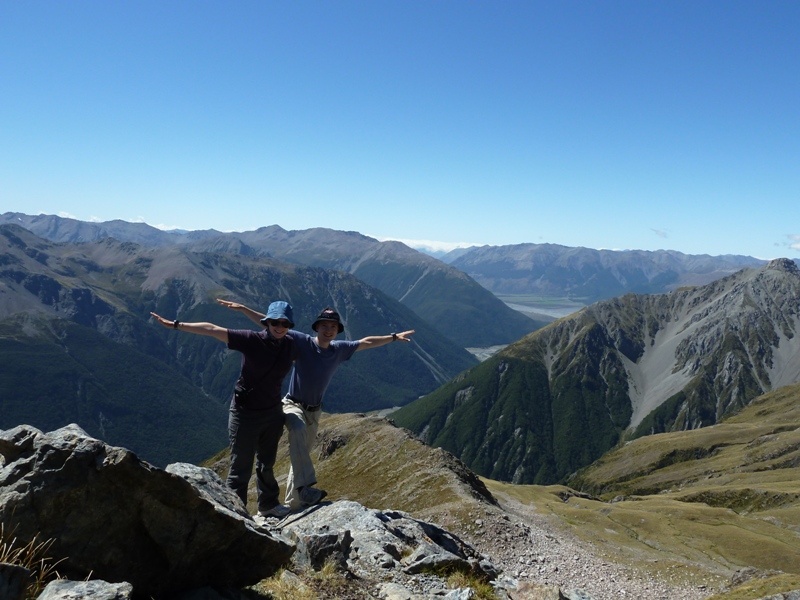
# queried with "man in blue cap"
point(255, 420)
point(317, 358)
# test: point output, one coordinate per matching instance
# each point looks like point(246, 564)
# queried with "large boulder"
point(114, 517)
point(371, 543)
point(96, 589)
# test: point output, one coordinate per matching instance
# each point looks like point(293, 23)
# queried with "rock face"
point(125, 530)
point(362, 539)
point(402, 557)
point(117, 518)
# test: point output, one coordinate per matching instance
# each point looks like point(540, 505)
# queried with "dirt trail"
point(535, 548)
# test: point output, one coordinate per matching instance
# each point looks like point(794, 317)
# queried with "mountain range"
point(77, 343)
point(559, 398)
point(439, 294)
point(555, 400)
point(587, 275)
point(575, 401)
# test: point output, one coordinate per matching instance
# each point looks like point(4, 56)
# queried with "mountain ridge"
point(590, 275)
point(443, 296)
point(559, 398)
point(97, 298)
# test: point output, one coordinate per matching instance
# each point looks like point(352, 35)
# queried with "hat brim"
point(265, 321)
point(318, 321)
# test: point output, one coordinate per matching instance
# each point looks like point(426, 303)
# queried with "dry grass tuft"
point(32, 556)
point(285, 585)
point(329, 583)
point(483, 590)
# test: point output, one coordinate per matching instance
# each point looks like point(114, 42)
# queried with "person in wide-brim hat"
point(328, 314)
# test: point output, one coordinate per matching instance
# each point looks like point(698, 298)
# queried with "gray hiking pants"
point(302, 426)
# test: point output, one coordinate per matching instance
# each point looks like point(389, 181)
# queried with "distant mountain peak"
point(783, 264)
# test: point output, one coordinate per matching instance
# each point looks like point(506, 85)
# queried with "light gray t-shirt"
point(314, 367)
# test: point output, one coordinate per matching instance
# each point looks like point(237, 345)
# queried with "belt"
point(306, 407)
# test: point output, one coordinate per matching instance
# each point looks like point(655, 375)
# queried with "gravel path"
point(530, 548)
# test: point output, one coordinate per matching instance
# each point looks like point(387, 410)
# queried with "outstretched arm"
point(208, 329)
point(376, 341)
point(251, 314)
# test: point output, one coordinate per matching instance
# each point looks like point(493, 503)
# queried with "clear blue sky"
point(606, 124)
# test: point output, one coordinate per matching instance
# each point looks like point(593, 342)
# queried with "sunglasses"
point(279, 323)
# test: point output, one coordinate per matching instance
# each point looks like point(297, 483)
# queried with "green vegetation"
point(762, 586)
point(486, 416)
point(72, 374)
point(483, 589)
point(511, 419)
point(701, 503)
point(447, 300)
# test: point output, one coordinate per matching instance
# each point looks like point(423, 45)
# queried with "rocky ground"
point(535, 550)
point(531, 548)
point(532, 551)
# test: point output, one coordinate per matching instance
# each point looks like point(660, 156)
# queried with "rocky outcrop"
point(114, 517)
point(120, 529)
point(13, 581)
point(375, 545)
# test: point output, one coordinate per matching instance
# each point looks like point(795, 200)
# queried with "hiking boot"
point(278, 512)
point(311, 495)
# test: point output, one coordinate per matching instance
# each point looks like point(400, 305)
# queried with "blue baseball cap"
point(279, 310)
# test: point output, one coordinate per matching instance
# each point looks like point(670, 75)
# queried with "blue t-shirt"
point(314, 367)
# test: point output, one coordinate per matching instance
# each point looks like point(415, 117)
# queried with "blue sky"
point(605, 124)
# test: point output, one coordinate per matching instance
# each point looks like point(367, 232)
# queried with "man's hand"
point(248, 312)
point(162, 321)
point(229, 304)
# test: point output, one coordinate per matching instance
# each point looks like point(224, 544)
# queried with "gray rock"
point(117, 518)
point(395, 591)
point(96, 589)
point(315, 550)
point(13, 581)
point(370, 541)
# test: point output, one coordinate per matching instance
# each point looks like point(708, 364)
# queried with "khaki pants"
point(302, 426)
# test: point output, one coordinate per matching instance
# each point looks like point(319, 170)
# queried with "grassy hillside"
point(726, 495)
point(67, 373)
point(511, 420)
point(366, 459)
point(692, 507)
